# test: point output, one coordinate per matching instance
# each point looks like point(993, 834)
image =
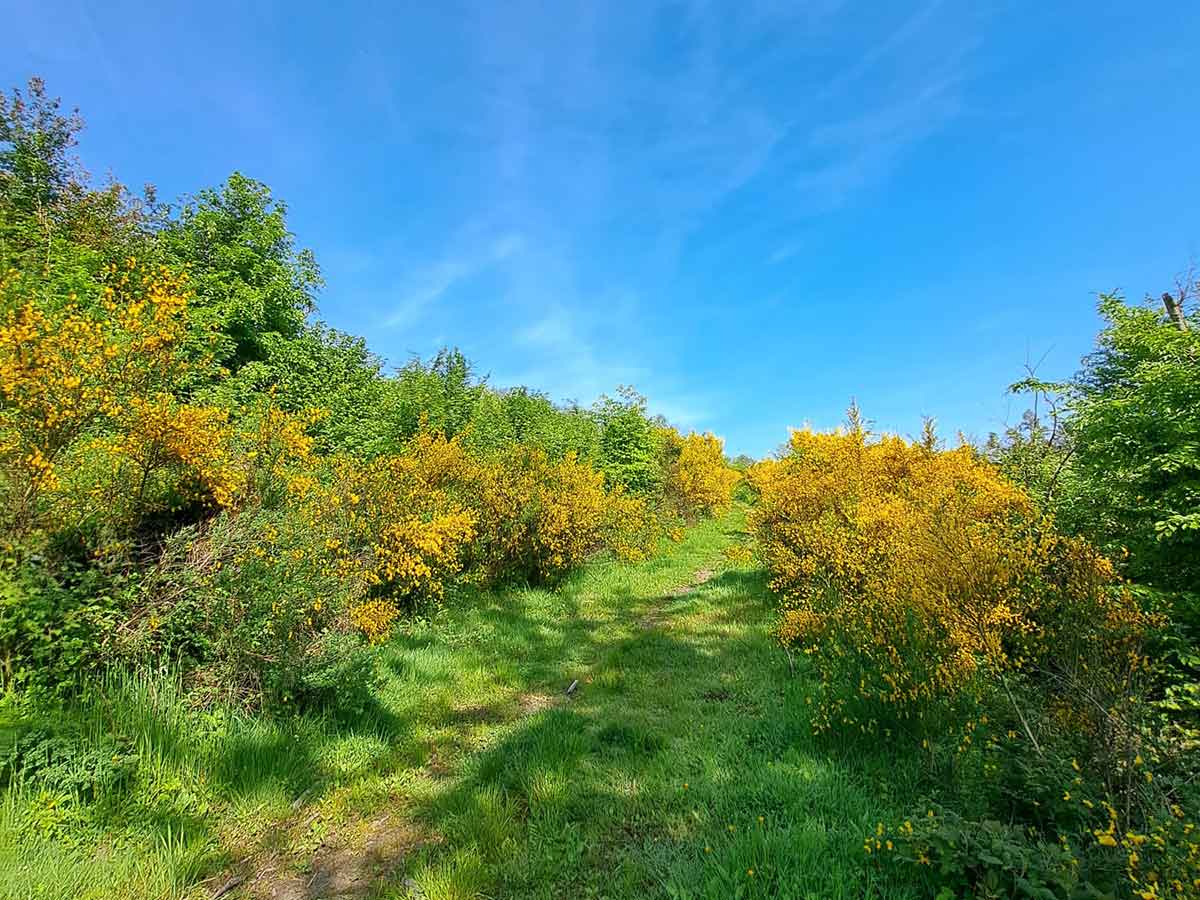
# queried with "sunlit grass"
point(681, 766)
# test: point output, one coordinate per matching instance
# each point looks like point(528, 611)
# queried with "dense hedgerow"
point(937, 606)
point(909, 572)
point(266, 546)
point(219, 535)
point(195, 474)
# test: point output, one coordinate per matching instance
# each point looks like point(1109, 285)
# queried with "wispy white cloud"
point(784, 252)
point(588, 136)
point(857, 151)
point(427, 284)
point(893, 41)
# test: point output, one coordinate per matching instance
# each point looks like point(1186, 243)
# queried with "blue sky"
point(751, 211)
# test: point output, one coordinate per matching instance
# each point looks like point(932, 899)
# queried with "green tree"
point(319, 368)
point(250, 281)
point(36, 169)
point(1134, 480)
point(443, 392)
point(1035, 452)
point(55, 229)
point(630, 444)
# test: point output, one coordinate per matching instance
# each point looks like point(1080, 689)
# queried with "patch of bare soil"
point(655, 620)
point(698, 578)
point(534, 702)
point(658, 619)
point(437, 767)
point(339, 872)
point(476, 714)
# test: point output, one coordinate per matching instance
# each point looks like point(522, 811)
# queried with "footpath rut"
point(369, 856)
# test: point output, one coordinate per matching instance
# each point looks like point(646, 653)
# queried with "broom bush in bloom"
point(392, 529)
point(907, 574)
point(934, 603)
point(540, 518)
point(699, 480)
point(83, 377)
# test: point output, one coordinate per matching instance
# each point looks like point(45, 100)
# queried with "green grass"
point(682, 765)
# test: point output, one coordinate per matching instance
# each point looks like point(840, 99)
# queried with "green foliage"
point(442, 393)
point(250, 282)
point(320, 368)
point(54, 611)
point(630, 445)
point(239, 599)
point(54, 229)
point(36, 171)
point(1032, 454)
point(1135, 426)
point(986, 859)
point(1116, 457)
point(523, 416)
point(65, 763)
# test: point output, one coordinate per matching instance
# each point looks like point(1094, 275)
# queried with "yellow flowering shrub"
point(739, 554)
point(374, 619)
point(162, 432)
point(905, 572)
point(538, 518)
point(85, 377)
point(700, 478)
point(275, 448)
point(392, 526)
point(698, 481)
point(631, 528)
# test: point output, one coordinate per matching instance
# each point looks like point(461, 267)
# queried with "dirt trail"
point(356, 861)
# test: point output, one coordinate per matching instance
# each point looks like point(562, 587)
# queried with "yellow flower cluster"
point(1163, 861)
point(904, 571)
point(401, 528)
point(392, 526)
point(162, 432)
point(1160, 861)
point(698, 477)
point(97, 372)
point(739, 554)
point(538, 517)
point(374, 619)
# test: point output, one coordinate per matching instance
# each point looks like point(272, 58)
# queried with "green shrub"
point(630, 445)
point(240, 602)
point(54, 619)
point(1134, 482)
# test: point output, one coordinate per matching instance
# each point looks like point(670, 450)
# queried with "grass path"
point(681, 765)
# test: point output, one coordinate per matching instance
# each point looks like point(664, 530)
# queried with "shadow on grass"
point(132, 757)
point(579, 796)
point(693, 768)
